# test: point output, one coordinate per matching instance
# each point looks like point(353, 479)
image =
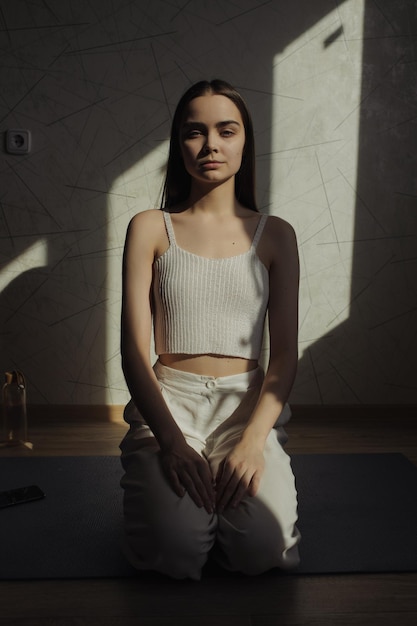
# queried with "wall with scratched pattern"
point(332, 88)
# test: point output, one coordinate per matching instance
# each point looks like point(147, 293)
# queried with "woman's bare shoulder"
point(279, 231)
point(149, 223)
point(149, 217)
point(278, 242)
point(277, 226)
point(146, 231)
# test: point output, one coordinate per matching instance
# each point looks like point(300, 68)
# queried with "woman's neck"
point(214, 199)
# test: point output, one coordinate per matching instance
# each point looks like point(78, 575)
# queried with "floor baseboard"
point(114, 413)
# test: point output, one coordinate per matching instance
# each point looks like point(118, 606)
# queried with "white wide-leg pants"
point(171, 535)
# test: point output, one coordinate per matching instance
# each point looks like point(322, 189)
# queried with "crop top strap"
point(169, 228)
point(259, 230)
point(171, 235)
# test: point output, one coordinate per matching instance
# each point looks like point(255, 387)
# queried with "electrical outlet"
point(18, 141)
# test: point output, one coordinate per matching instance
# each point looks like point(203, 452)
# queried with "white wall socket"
point(18, 141)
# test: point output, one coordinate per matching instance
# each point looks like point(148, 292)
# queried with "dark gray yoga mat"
point(358, 513)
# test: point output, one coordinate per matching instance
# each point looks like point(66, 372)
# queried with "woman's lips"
point(210, 165)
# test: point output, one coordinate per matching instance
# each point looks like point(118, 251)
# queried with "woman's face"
point(212, 139)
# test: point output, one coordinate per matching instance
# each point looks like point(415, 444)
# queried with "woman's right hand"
point(186, 470)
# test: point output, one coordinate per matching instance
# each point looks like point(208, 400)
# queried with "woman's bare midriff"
point(208, 364)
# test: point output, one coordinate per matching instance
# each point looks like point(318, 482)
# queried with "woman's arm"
point(241, 471)
point(183, 467)
point(283, 333)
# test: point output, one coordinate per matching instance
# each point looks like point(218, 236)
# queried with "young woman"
point(205, 470)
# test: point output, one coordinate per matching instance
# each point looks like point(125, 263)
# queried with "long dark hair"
point(177, 184)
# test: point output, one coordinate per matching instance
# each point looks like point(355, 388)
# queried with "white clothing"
point(171, 535)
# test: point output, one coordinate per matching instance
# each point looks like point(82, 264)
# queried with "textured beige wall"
point(332, 88)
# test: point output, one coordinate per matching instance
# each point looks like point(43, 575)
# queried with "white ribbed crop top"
point(209, 306)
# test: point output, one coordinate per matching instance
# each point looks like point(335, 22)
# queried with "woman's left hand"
point(239, 474)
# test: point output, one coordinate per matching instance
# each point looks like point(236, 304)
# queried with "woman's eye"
point(192, 133)
point(227, 133)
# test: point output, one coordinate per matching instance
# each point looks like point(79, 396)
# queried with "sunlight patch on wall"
point(33, 257)
point(137, 189)
point(314, 160)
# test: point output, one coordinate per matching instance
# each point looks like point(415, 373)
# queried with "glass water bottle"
point(14, 431)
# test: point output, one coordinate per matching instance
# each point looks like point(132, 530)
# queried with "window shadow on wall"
point(370, 356)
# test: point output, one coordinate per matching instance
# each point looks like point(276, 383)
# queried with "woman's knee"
point(175, 542)
point(252, 540)
point(163, 532)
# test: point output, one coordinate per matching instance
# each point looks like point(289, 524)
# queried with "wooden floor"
point(222, 600)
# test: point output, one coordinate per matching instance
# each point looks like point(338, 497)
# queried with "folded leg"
point(163, 532)
point(260, 533)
